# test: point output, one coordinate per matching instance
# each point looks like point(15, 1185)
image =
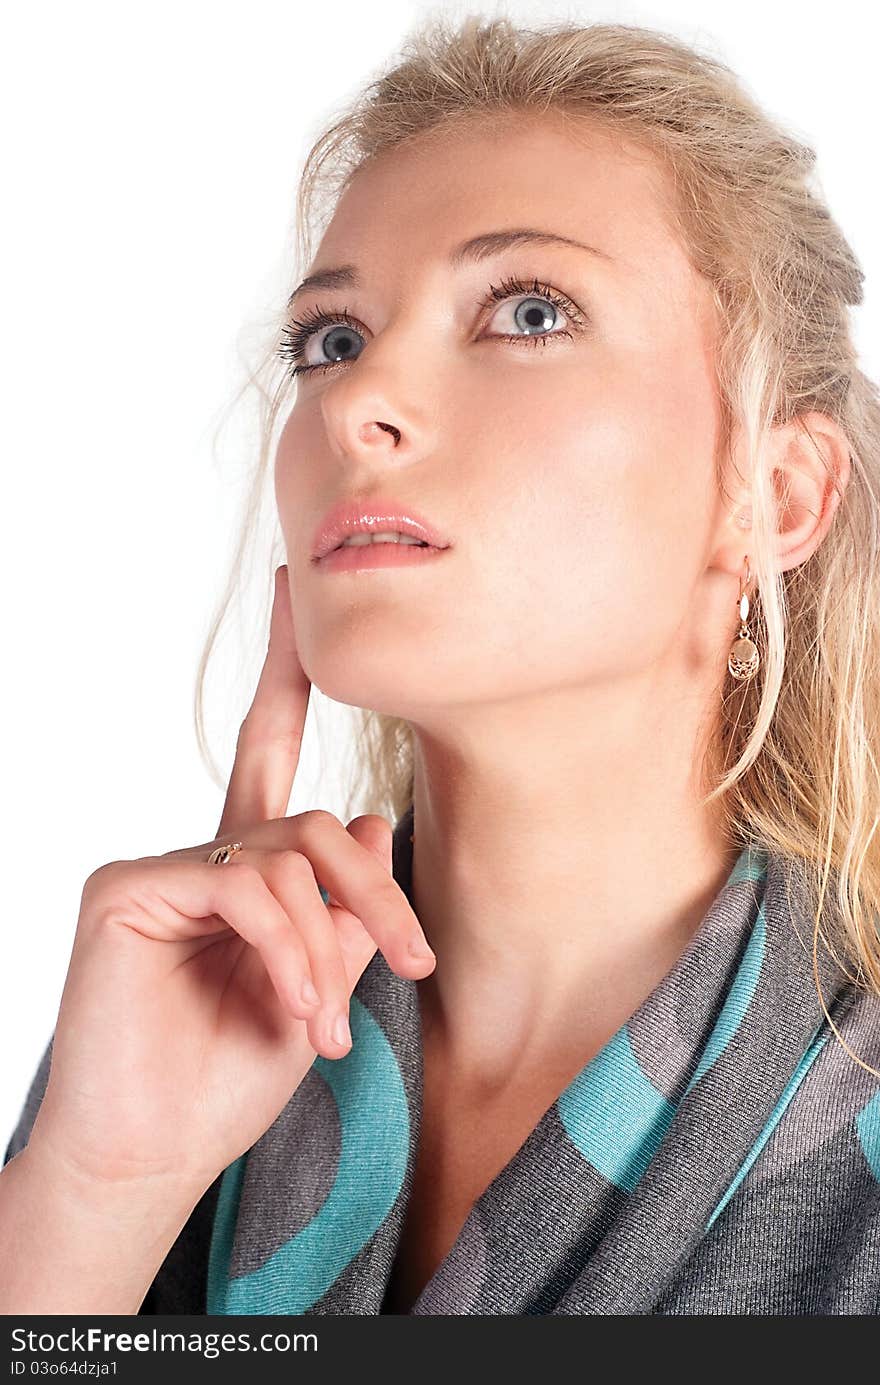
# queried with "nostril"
point(366, 430)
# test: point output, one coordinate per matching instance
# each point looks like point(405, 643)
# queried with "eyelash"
point(297, 332)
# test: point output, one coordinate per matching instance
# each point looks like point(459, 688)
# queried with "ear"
point(810, 466)
point(810, 474)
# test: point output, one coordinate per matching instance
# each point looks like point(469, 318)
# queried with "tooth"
point(360, 540)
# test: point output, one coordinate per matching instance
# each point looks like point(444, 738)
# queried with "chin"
point(375, 678)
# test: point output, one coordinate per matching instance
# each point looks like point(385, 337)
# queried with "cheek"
point(598, 506)
point(297, 482)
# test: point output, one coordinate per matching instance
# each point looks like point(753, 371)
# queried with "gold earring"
point(744, 660)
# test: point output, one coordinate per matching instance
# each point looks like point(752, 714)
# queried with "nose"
point(380, 413)
point(360, 432)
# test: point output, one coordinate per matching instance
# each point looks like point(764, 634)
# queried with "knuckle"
point(108, 881)
point(291, 865)
point(316, 820)
point(244, 875)
point(376, 819)
point(387, 890)
point(100, 875)
point(257, 728)
point(245, 731)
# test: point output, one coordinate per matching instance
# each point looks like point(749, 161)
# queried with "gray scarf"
point(721, 1154)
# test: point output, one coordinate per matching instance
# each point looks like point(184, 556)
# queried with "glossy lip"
point(368, 556)
point(375, 516)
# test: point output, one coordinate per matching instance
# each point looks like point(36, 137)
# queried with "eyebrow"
point(468, 252)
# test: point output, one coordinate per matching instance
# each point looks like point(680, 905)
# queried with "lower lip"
point(357, 557)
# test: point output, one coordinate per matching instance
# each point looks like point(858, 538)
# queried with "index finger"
point(268, 746)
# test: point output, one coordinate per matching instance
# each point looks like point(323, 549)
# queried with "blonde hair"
point(793, 764)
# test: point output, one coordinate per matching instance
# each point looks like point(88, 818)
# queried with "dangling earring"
point(744, 660)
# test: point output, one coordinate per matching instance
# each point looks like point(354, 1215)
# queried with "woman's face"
point(572, 469)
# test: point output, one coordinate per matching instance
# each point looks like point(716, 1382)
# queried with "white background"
point(150, 161)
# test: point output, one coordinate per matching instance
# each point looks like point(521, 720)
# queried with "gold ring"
point(221, 854)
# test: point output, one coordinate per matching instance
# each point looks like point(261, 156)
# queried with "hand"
point(186, 1021)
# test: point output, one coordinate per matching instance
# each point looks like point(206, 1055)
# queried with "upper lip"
point(376, 516)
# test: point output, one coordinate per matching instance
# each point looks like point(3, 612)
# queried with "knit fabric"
point(721, 1153)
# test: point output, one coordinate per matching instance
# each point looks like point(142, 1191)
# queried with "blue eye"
point(537, 312)
point(532, 315)
point(296, 334)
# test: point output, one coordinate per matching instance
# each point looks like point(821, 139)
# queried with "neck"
point(561, 863)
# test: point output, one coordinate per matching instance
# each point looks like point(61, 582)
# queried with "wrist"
point(152, 1200)
point(69, 1244)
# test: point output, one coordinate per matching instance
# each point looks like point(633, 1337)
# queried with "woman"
point(618, 706)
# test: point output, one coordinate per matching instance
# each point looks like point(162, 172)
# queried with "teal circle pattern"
point(367, 1086)
point(614, 1115)
point(868, 1131)
point(612, 1112)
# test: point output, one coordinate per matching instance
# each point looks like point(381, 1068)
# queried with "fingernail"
point(341, 1031)
point(418, 946)
point(309, 994)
